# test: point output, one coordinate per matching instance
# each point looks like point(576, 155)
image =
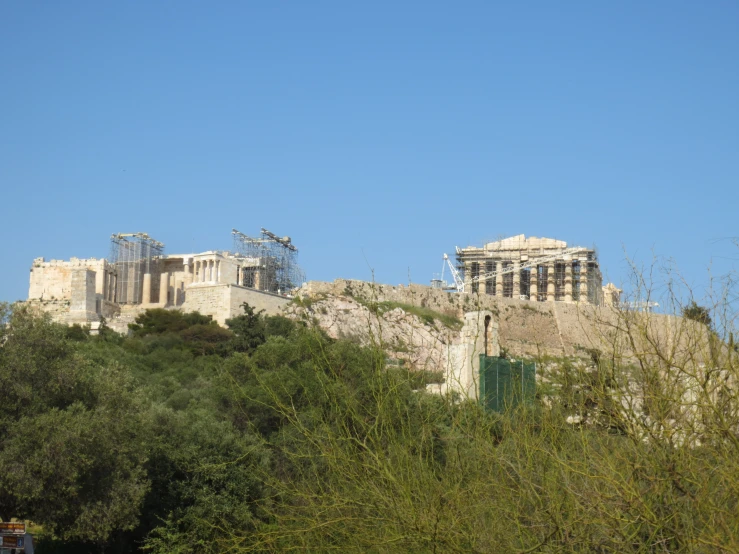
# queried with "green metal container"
point(504, 384)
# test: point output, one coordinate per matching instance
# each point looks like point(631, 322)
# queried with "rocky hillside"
point(419, 337)
point(418, 324)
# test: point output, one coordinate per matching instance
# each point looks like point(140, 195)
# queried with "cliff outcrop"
point(418, 323)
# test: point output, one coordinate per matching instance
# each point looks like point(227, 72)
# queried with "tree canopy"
point(267, 436)
point(694, 312)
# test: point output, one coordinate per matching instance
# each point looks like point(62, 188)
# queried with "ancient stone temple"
point(138, 275)
point(533, 268)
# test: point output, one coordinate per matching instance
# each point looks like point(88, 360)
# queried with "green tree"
point(206, 339)
point(71, 444)
point(158, 321)
point(206, 477)
point(701, 314)
point(248, 329)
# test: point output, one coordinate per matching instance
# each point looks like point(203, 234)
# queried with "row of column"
point(105, 284)
point(550, 285)
point(178, 289)
point(165, 280)
point(203, 271)
point(110, 283)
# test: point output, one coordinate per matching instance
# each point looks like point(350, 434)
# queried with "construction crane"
point(459, 284)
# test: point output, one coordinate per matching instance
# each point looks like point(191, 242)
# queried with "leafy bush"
point(271, 437)
point(158, 321)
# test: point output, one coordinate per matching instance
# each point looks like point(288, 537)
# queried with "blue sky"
point(378, 135)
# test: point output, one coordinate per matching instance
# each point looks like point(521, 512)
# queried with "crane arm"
point(458, 282)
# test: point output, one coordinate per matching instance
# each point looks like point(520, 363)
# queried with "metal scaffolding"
point(272, 262)
point(133, 255)
point(542, 278)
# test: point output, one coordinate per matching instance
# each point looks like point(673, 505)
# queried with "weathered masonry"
point(138, 275)
point(535, 269)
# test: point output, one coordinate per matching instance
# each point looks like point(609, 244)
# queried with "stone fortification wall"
point(532, 329)
point(82, 304)
point(52, 280)
point(220, 301)
point(83, 291)
point(57, 309)
point(212, 300)
point(223, 301)
point(57, 283)
point(272, 304)
point(525, 328)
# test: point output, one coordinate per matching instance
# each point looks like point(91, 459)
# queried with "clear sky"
point(378, 135)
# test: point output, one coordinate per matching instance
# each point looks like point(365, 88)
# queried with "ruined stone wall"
point(57, 309)
point(57, 287)
point(212, 300)
point(526, 328)
point(461, 371)
point(51, 280)
point(108, 309)
point(228, 270)
point(272, 304)
point(83, 291)
point(223, 301)
point(83, 301)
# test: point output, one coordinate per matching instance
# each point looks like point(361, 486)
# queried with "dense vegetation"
point(269, 437)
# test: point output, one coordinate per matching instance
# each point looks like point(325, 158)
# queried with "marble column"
point(188, 272)
point(584, 282)
point(131, 286)
point(468, 277)
point(146, 295)
point(178, 291)
point(534, 284)
point(550, 282)
point(163, 289)
point(108, 286)
point(498, 279)
point(100, 284)
point(516, 280)
point(105, 284)
point(568, 281)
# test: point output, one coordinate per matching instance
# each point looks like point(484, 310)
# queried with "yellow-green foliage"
point(283, 440)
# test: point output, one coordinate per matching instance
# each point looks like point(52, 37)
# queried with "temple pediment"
point(520, 242)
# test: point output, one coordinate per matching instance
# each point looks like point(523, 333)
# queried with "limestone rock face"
point(420, 339)
point(422, 344)
point(524, 329)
